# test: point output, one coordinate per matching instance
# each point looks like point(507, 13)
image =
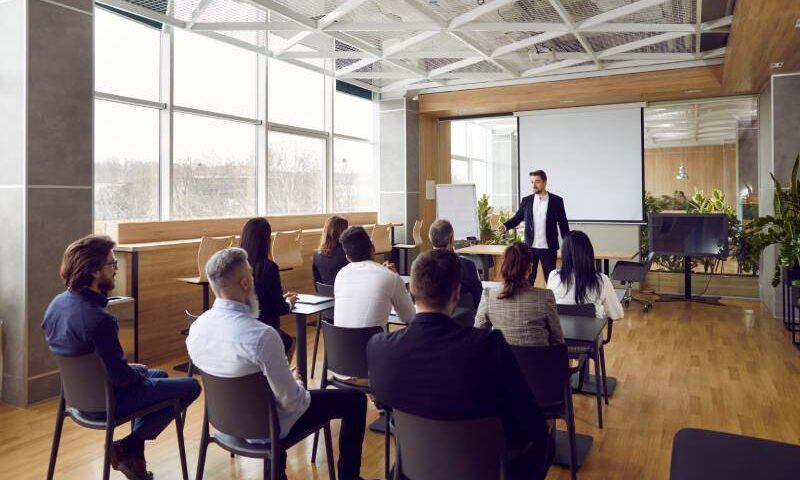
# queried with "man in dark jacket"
point(76, 323)
point(441, 236)
point(436, 369)
point(542, 212)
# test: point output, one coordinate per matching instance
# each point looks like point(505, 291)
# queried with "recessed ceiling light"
point(797, 23)
point(567, 101)
point(694, 91)
point(776, 65)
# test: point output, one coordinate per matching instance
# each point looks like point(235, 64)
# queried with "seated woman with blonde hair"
point(526, 315)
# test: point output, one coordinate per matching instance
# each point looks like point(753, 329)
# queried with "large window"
point(214, 168)
point(185, 128)
point(484, 152)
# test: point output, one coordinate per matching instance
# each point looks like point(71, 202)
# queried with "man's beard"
point(105, 285)
point(252, 301)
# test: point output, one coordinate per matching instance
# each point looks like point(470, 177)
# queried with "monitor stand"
point(687, 289)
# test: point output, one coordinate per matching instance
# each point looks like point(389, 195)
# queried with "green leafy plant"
point(488, 235)
point(782, 227)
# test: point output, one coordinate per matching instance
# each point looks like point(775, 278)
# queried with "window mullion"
point(166, 120)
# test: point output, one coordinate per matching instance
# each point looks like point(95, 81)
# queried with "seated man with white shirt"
point(365, 290)
point(229, 341)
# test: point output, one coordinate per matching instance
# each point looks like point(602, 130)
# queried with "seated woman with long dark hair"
point(329, 257)
point(525, 314)
point(578, 282)
point(255, 240)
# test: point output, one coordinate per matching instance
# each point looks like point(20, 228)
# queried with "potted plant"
point(781, 228)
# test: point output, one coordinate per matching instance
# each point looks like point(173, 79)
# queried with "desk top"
point(193, 280)
point(499, 250)
point(582, 329)
point(309, 309)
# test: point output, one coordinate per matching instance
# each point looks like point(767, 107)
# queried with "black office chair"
point(346, 357)
point(87, 394)
point(548, 374)
point(628, 273)
point(443, 450)
point(244, 407)
point(593, 352)
point(324, 290)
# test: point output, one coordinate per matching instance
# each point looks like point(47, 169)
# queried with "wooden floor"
point(728, 368)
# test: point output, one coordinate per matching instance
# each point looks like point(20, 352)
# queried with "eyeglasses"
point(113, 263)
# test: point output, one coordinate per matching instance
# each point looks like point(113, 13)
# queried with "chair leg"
point(275, 464)
point(329, 451)
point(314, 447)
point(51, 468)
point(603, 373)
point(598, 391)
point(316, 345)
point(109, 444)
point(181, 447)
point(386, 447)
point(573, 453)
point(190, 370)
point(201, 455)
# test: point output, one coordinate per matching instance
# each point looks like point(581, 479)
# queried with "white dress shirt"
point(228, 341)
point(606, 303)
point(540, 221)
point(365, 293)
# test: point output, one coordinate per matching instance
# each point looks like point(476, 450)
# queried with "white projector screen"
point(593, 157)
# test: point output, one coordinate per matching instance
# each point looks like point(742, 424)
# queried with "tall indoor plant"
point(782, 227)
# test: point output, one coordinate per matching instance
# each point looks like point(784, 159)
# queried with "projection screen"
point(593, 157)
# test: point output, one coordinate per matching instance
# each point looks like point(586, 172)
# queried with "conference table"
point(485, 255)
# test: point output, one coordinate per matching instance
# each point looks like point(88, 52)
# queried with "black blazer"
point(267, 280)
point(555, 215)
point(436, 369)
point(470, 282)
point(325, 267)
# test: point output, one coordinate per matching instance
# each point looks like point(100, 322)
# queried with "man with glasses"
point(76, 323)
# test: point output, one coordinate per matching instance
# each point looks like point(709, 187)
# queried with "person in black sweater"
point(329, 257)
point(439, 370)
point(255, 240)
point(76, 323)
point(442, 236)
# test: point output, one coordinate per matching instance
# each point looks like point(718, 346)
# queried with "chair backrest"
point(346, 349)
point(381, 238)
point(546, 369)
point(287, 249)
point(323, 289)
point(190, 318)
point(584, 310)
point(83, 382)
point(208, 247)
point(445, 449)
point(416, 233)
point(243, 407)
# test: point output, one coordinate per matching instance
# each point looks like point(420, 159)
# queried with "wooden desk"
point(196, 281)
point(486, 254)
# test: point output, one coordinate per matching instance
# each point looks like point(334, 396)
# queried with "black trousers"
point(547, 257)
point(351, 408)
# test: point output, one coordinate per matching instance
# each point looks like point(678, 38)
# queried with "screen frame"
point(726, 251)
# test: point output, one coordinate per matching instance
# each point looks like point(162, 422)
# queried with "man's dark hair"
point(84, 257)
point(539, 173)
point(434, 277)
point(357, 244)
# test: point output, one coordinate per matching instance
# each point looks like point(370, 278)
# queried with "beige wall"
point(709, 167)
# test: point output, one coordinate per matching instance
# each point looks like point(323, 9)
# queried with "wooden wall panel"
point(763, 32)
point(157, 231)
point(709, 167)
point(675, 84)
point(434, 164)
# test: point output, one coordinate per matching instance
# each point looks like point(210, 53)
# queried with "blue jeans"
point(155, 388)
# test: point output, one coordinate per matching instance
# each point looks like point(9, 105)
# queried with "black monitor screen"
point(689, 235)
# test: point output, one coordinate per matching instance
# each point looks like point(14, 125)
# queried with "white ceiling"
point(708, 123)
point(394, 46)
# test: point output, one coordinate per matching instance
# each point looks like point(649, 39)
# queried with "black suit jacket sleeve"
point(521, 412)
point(518, 217)
point(470, 281)
point(563, 224)
point(315, 272)
point(270, 293)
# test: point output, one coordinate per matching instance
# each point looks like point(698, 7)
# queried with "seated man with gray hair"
point(442, 238)
point(229, 341)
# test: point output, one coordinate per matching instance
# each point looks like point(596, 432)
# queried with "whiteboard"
point(593, 157)
point(458, 204)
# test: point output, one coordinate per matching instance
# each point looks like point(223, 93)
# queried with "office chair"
point(627, 273)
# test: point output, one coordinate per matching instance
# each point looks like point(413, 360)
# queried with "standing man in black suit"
point(541, 211)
